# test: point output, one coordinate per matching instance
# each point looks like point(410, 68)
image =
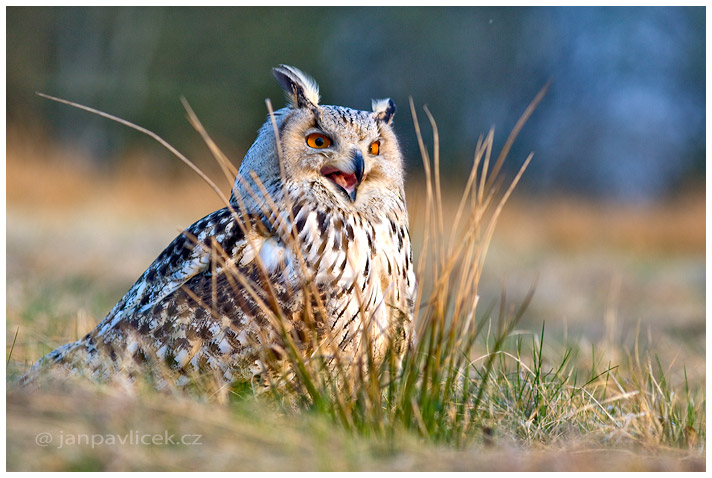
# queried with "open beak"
point(348, 181)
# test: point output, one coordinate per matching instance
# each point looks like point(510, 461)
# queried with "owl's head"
point(346, 158)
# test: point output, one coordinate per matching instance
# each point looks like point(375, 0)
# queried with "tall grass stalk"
point(442, 390)
point(435, 391)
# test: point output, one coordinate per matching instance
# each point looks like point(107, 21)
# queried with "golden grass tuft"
point(475, 393)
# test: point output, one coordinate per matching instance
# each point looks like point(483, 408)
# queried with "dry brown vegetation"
point(614, 281)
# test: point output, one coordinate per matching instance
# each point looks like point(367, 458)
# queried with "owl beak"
point(359, 167)
point(347, 181)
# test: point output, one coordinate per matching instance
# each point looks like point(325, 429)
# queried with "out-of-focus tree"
point(625, 115)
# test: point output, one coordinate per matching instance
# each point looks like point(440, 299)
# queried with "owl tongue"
point(347, 181)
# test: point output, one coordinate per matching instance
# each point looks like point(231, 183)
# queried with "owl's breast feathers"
point(206, 305)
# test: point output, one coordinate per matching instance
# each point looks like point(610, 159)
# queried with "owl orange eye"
point(374, 147)
point(318, 141)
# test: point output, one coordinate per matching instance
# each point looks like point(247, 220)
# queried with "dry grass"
point(674, 227)
point(246, 438)
point(583, 416)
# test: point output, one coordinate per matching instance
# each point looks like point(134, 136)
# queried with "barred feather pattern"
point(203, 306)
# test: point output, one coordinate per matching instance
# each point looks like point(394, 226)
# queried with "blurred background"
point(624, 117)
point(609, 219)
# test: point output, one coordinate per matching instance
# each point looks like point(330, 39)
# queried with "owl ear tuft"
point(302, 91)
point(384, 109)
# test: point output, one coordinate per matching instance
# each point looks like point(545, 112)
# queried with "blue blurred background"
point(624, 117)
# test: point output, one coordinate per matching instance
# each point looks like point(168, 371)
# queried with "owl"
point(312, 252)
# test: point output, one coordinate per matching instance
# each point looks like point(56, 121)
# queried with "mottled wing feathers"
point(188, 255)
point(184, 310)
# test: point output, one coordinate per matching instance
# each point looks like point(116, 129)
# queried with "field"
point(612, 344)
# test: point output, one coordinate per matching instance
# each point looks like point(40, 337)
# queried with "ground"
point(610, 279)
